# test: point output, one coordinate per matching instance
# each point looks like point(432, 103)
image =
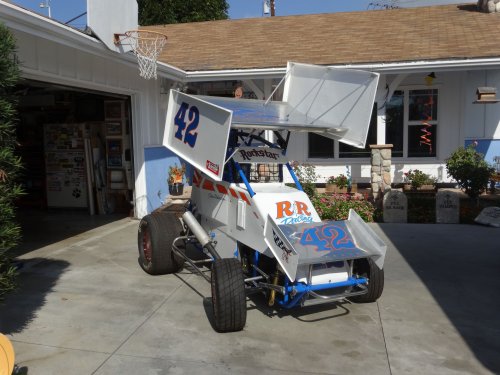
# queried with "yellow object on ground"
point(7, 356)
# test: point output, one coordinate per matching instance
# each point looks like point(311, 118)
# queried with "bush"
point(469, 169)
point(306, 174)
point(337, 206)
point(10, 164)
point(417, 178)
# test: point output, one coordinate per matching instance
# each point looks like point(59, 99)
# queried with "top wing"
point(257, 114)
point(333, 102)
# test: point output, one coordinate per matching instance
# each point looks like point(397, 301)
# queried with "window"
point(348, 151)
point(411, 115)
point(394, 123)
point(320, 147)
point(324, 148)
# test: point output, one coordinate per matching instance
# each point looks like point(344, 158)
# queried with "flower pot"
point(334, 189)
point(176, 189)
point(427, 187)
point(354, 188)
point(330, 188)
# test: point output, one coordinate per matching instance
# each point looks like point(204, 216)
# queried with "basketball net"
point(147, 46)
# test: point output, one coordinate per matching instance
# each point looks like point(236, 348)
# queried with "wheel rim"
point(146, 245)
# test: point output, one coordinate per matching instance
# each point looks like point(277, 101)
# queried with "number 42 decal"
point(187, 131)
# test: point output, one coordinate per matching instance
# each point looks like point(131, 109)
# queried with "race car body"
point(258, 233)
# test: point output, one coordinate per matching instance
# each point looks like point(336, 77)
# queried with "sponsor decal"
point(249, 154)
point(292, 212)
point(286, 252)
point(212, 167)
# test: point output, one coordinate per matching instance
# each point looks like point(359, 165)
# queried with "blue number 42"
point(187, 131)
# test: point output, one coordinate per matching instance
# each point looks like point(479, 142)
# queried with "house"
point(432, 60)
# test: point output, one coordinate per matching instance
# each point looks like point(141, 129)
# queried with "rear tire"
point(154, 238)
point(367, 268)
point(228, 295)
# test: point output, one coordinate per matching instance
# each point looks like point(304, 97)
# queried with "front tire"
point(154, 238)
point(367, 268)
point(228, 295)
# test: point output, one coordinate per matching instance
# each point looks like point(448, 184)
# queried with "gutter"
point(383, 68)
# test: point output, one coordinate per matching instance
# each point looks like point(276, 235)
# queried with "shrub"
point(10, 164)
point(337, 206)
point(417, 178)
point(469, 169)
point(306, 174)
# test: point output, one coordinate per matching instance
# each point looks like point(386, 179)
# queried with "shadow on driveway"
point(41, 228)
point(37, 279)
point(459, 265)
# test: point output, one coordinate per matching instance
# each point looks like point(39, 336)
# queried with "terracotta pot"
point(330, 188)
point(426, 187)
point(334, 189)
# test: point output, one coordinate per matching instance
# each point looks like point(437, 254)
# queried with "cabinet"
point(117, 141)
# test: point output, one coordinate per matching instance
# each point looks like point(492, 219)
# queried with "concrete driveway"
point(86, 307)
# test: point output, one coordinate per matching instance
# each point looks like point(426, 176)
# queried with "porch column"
point(380, 169)
point(381, 100)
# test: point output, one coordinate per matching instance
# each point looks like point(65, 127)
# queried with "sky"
point(64, 10)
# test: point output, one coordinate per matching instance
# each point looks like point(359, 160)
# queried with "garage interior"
point(76, 147)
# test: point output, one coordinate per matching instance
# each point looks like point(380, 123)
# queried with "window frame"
point(407, 122)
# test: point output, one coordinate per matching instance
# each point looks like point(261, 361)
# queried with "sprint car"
point(256, 233)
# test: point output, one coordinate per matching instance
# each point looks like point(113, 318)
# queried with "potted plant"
point(337, 184)
point(417, 180)
point(175, 177)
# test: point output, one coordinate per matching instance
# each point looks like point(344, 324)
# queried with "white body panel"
point(228, 208)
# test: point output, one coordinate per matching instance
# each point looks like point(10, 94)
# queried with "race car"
point(255, 232)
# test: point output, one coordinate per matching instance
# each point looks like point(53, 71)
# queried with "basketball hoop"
point(147, 46)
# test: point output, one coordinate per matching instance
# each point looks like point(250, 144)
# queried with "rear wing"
point(333, 102)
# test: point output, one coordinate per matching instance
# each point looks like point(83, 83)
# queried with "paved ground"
point(86, 307)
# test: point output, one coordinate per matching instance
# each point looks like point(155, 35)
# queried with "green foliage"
point(470, 170)
point(160, 12)
point(417, 178)
point(10, 164)
point(341, 181)
point(337, 206)
point(306, 174)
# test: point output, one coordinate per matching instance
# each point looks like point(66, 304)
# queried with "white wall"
point(481, 121)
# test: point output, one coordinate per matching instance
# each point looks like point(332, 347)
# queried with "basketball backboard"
point(109, 17)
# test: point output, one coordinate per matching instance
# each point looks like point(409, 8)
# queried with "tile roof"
point(376, 36)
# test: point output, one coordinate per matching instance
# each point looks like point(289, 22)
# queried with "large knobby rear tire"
point(154, 238)
point(367, 268)
point(228, 295)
